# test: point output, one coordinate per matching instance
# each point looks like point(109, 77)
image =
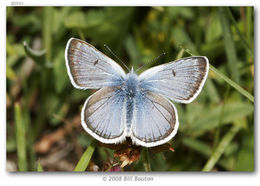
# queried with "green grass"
point(39, 168)
point(233, 84)
point(229, 45)
point(85, 158)
point(221, 148)
point(20, 139)
point(147, 165)
point(216, 130)
point(242, 37)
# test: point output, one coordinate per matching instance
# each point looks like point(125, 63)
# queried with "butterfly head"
point(132, 70)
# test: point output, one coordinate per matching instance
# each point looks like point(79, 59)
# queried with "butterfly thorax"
point(131, 85)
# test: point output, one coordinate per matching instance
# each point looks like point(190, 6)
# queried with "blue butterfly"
point(128, 105)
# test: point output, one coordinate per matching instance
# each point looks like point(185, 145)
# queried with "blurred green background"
point(216, 130)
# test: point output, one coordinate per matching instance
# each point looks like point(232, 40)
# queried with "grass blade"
point(147, 165)
point(217, 133)
point(229, 45)
point(205, 150)
point(37, 56)
point(47, 35)
point(232, 111)
point(10, 74)
point(249, 22)
point(197, 145)
point(242, 38)
point(30, 141)
point(221, 148)
point(85, 158)
point(39, 167)
point(20, 139)
point(180, 54)
point(81, 34)
point(232, 83)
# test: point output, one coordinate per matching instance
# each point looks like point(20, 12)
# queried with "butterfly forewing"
point(180, 80)
point(155, 120)
point(89, 68)
point(103, 115)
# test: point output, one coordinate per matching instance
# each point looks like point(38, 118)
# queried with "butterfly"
point(128, 105)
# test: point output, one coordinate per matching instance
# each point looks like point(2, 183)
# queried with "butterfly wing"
point(180, 80)
point(90, 69)
point(104, 115)
point(155, 120)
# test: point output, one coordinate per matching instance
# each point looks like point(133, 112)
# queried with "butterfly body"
point(131, 105)
point(131, 92)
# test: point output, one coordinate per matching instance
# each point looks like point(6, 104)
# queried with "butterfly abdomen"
point(131, 90)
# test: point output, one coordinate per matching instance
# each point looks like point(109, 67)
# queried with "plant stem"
point(147, 166)
point(20, 138)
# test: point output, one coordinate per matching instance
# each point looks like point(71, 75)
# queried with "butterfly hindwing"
point(155, 120)
point(104, 115)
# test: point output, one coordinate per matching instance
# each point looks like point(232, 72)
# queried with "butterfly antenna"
point(116, 56)
point(162, 54)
